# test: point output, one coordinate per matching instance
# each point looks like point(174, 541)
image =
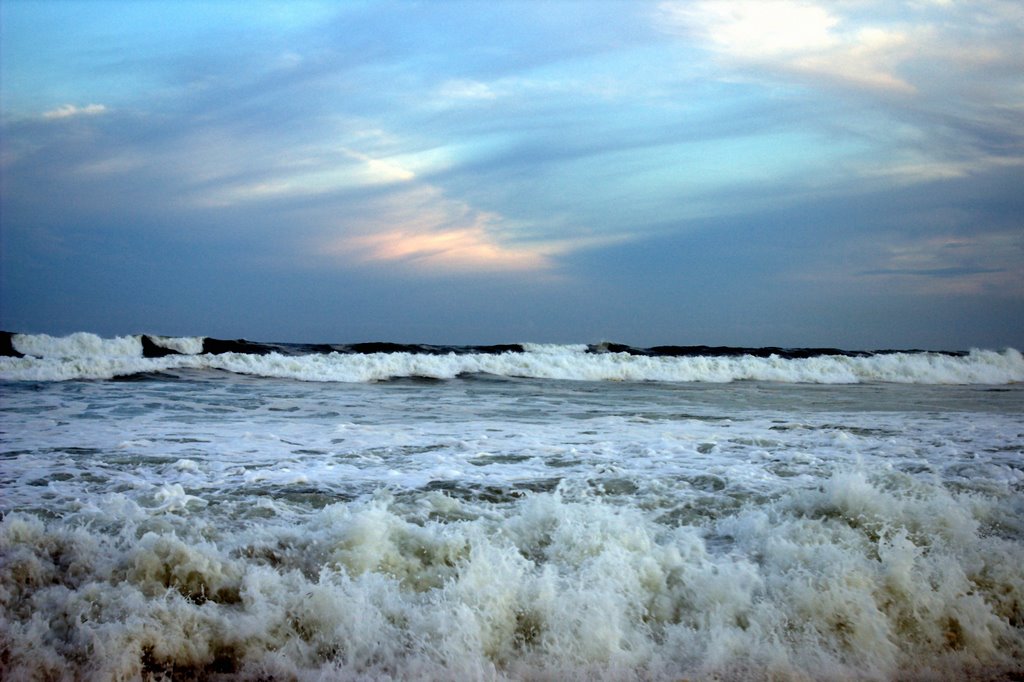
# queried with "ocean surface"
point(193, 508)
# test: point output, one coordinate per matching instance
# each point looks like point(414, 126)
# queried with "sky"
point(725, 172)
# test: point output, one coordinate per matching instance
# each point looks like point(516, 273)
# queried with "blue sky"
point(846, 173)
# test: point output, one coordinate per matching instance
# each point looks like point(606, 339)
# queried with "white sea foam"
point(868, 578)
point(86, 345)
point(189, 345)
point(79, 345)
point(86, 356)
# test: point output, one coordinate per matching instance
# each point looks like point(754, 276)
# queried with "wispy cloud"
point(931, 90)
point(934, 272)
point(463, 89)
point(916, 167)
point(802, 38)
point(466, 249)
point(304, 175)
point(423, 229)
point(70, 110)
point(369, 207)
point(985, 263)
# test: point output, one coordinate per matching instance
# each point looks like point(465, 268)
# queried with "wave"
point(40, 357)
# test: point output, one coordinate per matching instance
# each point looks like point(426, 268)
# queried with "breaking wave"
point(87, 356)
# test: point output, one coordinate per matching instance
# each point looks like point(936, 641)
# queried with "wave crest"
point(87, 356)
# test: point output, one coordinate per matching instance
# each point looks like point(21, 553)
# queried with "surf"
point(88, 356)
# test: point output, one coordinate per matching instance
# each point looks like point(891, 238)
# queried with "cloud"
point(934, 272)
point(917, 167)
point(306, 178)
point(462, 89)
point(381, 170)
point(279, 173)
point(427, 231)
point(466, 249)
point(923, 92)
point(802, 38)
point(350, 206)
point(70, 110)
point(350, 191)
point(926, 47)
point(759, 29)
point(984, 263)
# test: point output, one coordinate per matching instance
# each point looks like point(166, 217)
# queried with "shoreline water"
point(200, 523)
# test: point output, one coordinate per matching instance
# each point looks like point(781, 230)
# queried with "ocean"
point(194, 508)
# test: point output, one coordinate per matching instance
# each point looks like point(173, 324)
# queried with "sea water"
point(535, 512)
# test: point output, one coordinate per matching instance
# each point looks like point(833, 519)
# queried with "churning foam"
point(867, 577)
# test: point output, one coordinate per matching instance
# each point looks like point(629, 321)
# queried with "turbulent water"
point(194, 508)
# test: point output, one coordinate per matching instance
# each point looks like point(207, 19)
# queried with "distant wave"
point(39, 357)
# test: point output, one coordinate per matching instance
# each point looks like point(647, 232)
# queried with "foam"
point(868, 577)
point(188, 345)
point(78, 345)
